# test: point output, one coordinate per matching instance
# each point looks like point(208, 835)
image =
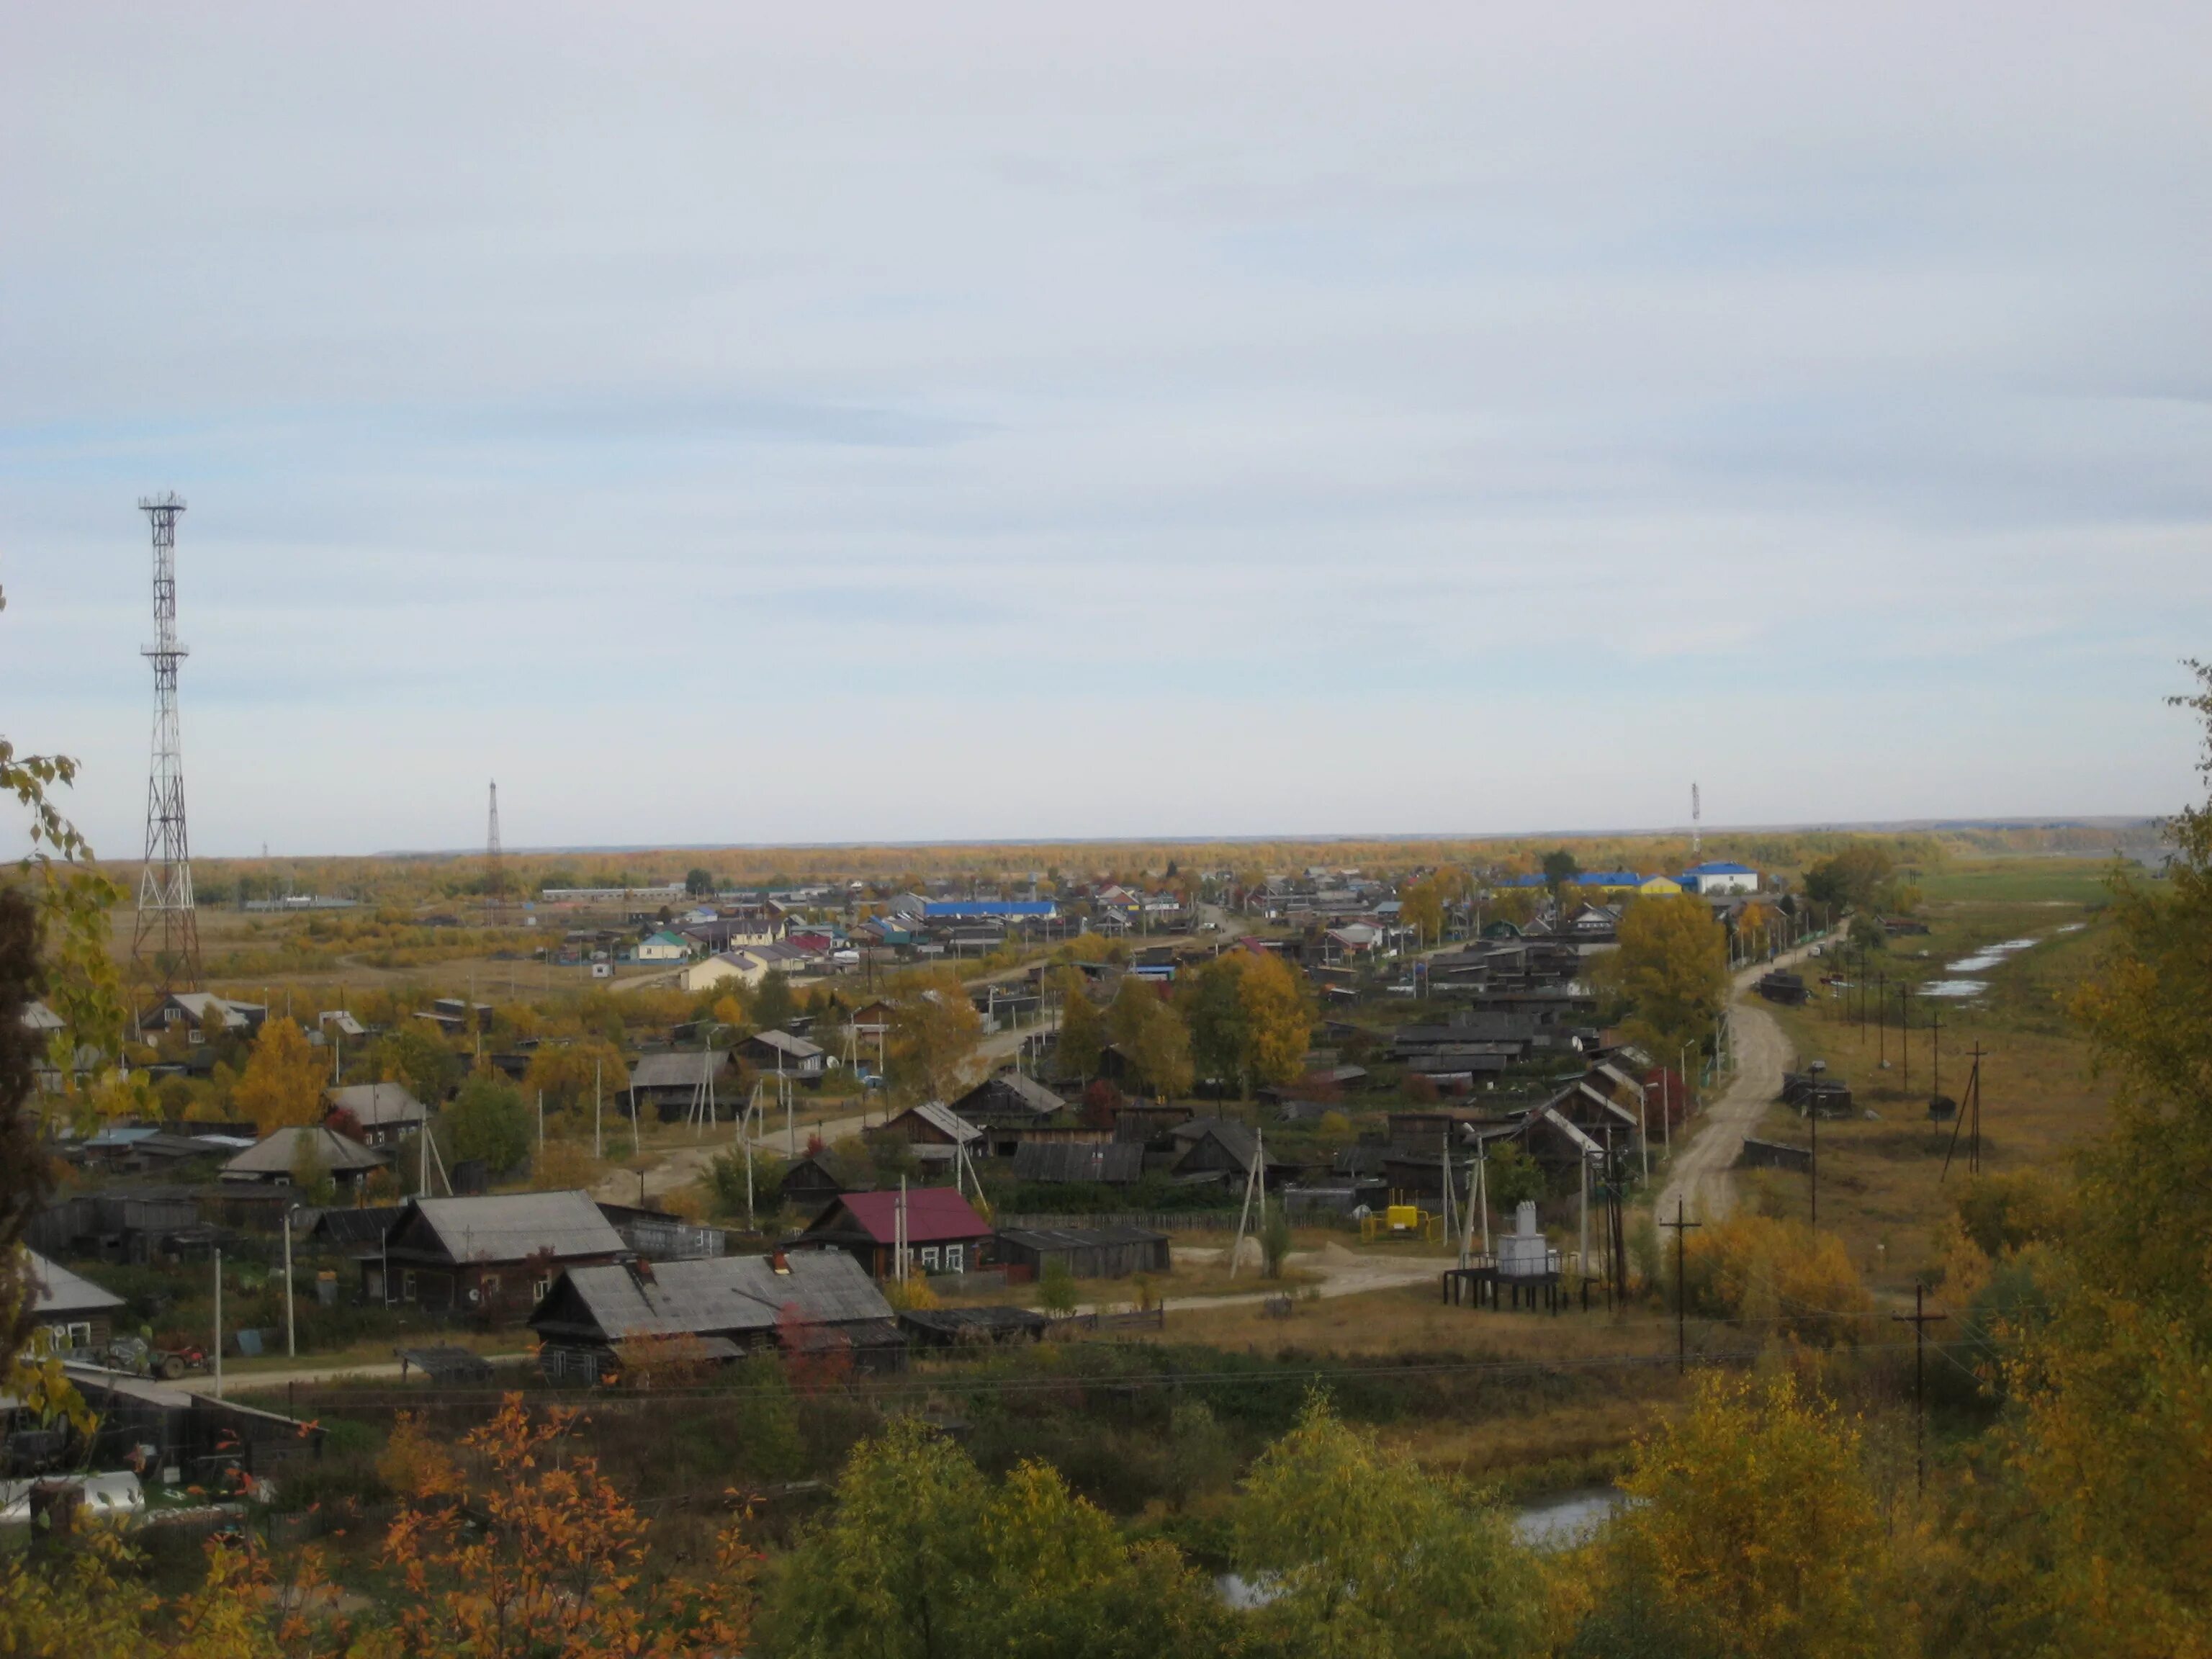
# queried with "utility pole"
point(218, 1324)
point(1920, 1320)
point(291, 1344)
point(1812, 1118)
point(1904, 1034)
point(599, 1146)
point(1681, 1226)
point(1970, 1102)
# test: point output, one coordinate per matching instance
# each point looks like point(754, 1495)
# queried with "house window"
point(956, 1258)
point(490, 1282)
point(80, 1336)
point(929, 1258)
point(407, 1286)
point(539, 1287)
point(194, 1037)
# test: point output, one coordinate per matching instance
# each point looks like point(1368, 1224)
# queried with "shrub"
point(1779, 1274)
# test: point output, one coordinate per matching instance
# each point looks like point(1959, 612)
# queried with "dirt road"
point(1699, 1176)
point(1343, 1272)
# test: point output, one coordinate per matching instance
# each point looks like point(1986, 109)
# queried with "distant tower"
point(1697, 812)
point(166, 943)
point(494, 865)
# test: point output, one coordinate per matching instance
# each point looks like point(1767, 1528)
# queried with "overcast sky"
point(821, 422)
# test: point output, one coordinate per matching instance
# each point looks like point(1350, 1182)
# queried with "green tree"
point(1671, 968)
point(1082, 1036)
point(1056, 1287)
point(1151, 1036)
point(772, 1003)
point(1367, 1554)
point(418, 1059)
point(1560, 869)
point(487, 1120)
point(1851, 877)
point(923, 1559)
point(698, 881)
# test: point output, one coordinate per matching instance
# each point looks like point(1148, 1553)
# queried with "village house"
point(674, 1084)
point(276, 1160)
point(1004, 1105)
point(202, 1015)
point(662, 946)
point(936, 1134)
point(942, 1231)
point(494, 1256)
point(719, 1308)
point(72, 1310)
point(387, 1113)
point(784, 1054)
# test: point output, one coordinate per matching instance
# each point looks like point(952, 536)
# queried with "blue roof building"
point(1000, 909)
point(1720, 876)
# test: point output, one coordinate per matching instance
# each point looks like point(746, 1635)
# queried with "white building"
point(1720, 877)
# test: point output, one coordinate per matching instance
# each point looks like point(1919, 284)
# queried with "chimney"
point(780, 1262)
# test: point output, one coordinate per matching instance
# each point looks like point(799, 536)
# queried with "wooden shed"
point(1088, 1252)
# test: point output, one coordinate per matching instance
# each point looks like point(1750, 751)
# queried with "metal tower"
point(494, 866)
point(166, 943)
point(1697, 812)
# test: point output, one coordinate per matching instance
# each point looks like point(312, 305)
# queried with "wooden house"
point(387, 1113)
point(809, 1186)
point(674, 1086)
point(720, 1307)
point(72, 1310)
point(936, 1132)
point(493, 1256)
point(942, 1231)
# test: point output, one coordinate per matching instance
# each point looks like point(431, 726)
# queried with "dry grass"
point(1881, 1182)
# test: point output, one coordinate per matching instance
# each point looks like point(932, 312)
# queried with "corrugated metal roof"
point(943, 1120)
point(273, 1156)
point(725, 1294)
point(675, 1070)
point(1112, 1163)
point(933, 1213)
point(507, 1226)
point(1026, 1089)
point(798, 1048)
point(60, 1291)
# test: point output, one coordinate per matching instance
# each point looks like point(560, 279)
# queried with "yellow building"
point(1659, 887)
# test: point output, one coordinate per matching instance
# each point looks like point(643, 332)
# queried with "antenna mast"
point(495, 865)
point(1697, 812)
point(165, 941)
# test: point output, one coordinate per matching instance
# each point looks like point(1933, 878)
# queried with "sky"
point(742, 423)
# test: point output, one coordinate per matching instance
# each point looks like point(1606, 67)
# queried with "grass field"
point(1881, 1182)
point(2018, 881)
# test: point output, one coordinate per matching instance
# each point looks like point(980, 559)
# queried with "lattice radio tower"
point(166, 943)
point(1697, 812)
point(494, 864)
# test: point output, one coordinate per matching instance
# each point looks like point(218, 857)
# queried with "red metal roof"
point(932, 1214)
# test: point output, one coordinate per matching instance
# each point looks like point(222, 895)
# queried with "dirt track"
point(1699, 1176)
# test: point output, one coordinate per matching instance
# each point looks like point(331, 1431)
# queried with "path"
point(1343, 1272)
point(1699, 1178)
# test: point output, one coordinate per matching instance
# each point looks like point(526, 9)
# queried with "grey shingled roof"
point(797, 1048)
point(509, 1226)
point(725, 1294)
